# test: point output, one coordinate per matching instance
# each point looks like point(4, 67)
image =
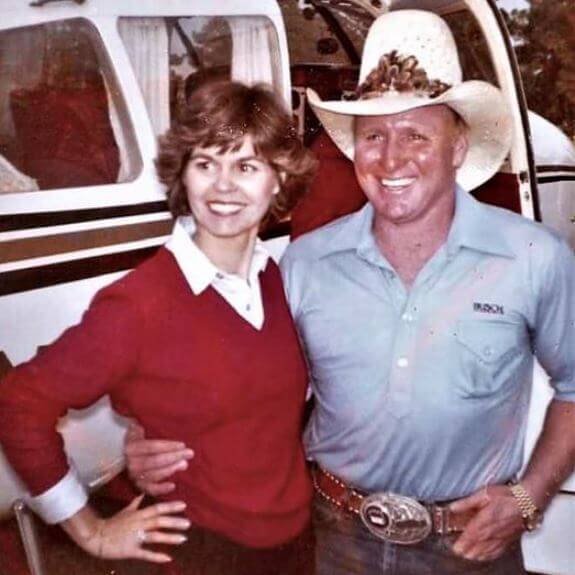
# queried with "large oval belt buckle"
point(396, 518)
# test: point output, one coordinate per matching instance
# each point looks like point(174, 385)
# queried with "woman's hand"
point(123, 536)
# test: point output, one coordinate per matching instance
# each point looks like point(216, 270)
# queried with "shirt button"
point(220, 275)
point(402, 362)
point(487, 351)
point(407, 317)
point(248, 307)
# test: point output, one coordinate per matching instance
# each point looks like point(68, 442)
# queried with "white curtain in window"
point(125, 165)
point(254, 55)
point(146, 40)
point(12, 180)
point(21, 64)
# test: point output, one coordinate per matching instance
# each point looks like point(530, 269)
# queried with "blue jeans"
point(344, 546)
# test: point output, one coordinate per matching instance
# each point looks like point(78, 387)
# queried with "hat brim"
point(480, 104)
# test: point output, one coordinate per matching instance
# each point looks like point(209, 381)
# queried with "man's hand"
point(496, 525)
point(151, 461)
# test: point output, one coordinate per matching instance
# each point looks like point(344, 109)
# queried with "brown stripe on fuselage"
point(57, 244)
point(14, 222)
point(75, 270)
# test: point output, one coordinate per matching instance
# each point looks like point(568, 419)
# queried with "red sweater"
point(188, 368)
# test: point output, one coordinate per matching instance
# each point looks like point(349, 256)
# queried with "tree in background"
point(544, 41)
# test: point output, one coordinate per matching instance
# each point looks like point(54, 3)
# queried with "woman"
point(198, 345)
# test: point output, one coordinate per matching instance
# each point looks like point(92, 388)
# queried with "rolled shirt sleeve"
point(554, 330)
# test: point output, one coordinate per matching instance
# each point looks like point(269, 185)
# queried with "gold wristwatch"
point(532, 516)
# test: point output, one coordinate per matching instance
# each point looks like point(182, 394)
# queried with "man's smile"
point(396, 185)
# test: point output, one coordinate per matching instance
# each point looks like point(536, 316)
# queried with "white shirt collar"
point(197, 268)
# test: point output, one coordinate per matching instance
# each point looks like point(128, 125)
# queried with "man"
point(420, 316)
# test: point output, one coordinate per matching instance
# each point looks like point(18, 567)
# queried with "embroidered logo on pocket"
point(491, 308)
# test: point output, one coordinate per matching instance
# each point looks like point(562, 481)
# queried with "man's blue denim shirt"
point(425, 391)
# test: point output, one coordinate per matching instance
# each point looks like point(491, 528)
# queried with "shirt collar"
point(197, 268)
point(350, 232)
point(473, 227)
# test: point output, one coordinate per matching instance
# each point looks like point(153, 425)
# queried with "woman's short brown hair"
point(222, 113)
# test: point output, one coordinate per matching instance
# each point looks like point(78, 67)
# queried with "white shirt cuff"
point(62, 500)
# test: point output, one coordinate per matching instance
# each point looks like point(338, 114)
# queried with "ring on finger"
point(141, 536)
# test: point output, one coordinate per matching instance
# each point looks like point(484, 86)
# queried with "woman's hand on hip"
point(124, 535)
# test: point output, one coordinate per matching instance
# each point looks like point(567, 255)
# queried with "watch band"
point(529, 511)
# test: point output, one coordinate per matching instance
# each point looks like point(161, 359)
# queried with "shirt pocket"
point(486, 351)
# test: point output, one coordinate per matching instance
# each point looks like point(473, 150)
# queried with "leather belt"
point(390, 516)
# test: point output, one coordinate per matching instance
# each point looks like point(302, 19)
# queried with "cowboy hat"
point(409, 61)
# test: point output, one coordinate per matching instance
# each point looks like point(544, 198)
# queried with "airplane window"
point(473, 50)
point(171, 56)
point(59, 125)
